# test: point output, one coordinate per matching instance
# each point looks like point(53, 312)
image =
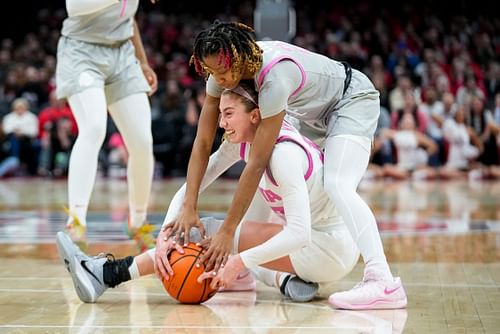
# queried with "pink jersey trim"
point(273, 62)
point(122, 10)
point(243, 147)
point(310, 169)
point(287, 126)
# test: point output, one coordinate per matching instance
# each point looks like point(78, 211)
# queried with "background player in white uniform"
point(312, 242)
point(335, 104)
point(465, 146)
point(413, 150)
point(101, 66)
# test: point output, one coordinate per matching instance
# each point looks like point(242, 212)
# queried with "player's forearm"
point(84, 7)
point(140, 54)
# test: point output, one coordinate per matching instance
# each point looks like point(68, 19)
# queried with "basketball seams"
point(182, 257)
point(195, 293)
point(189, 273)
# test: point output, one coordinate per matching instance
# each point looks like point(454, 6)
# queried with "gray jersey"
point(309, 87)
point(314, 83)
point(105, 26)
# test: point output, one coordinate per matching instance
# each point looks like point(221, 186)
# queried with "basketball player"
point(413, 151)
point(336, 105)
point(101, 66)
point(310, 244)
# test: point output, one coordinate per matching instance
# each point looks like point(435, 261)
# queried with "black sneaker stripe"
point(66, 263)
point(87, 270)
point(283, 285)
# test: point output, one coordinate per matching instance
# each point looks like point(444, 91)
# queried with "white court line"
point(184, 327)
point(437, 285)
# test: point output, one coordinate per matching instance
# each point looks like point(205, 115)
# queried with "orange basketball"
point(183, 285)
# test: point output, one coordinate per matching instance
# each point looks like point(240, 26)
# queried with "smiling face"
point(237, 118)
point(224, 74)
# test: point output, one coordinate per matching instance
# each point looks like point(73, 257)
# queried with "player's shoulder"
point(286, 153)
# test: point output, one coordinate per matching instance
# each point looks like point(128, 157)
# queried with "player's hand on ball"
point(226, 275)
point(164, 246)
point(182, 225)
point(218, 251)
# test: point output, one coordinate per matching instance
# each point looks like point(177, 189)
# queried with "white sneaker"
point(91, 275)
point(372, 293)
point(86, 271)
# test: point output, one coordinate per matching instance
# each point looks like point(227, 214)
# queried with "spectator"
point(433, 110)
point(21, 128)
point(410, 107)
point(8, 162)
point(55, 140)
point(412, 159)
point(397, 95)
point(481, 120)
point(469, 90)
point(465, 146)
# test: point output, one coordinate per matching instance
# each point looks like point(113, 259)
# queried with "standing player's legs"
point(346, 160)
point(132, 116)
point(347, 153)
point(89, 109)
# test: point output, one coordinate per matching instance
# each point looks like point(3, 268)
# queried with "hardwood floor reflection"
point(442, 238)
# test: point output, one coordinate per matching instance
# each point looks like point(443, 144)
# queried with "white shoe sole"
point(376, 305)
point(82, 284)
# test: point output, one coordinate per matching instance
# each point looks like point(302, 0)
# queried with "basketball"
point(183, 285)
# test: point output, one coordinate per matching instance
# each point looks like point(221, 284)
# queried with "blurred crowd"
point(438, 76)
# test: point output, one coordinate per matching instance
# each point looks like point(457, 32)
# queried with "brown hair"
point(247, 94)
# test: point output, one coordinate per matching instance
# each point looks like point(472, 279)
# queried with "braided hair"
point(234, 44)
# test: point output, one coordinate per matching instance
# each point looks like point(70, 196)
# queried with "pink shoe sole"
point(375, 305)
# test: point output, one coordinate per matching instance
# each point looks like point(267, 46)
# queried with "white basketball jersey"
point(323, 212)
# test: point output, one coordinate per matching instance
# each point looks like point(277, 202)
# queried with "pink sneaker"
point(244, 282)
point(371, 294)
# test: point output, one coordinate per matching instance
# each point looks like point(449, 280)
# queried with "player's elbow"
point(303, 238)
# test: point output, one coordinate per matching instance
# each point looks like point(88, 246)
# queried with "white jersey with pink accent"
point(323, 214)
point(292, 186)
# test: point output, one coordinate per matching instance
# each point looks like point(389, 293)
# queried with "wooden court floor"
point(442, 238)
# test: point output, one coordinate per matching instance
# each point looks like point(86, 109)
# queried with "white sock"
point(267, 276)
point(133, 270)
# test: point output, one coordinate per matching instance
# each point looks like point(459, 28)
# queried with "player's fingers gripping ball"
point(183, 285)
